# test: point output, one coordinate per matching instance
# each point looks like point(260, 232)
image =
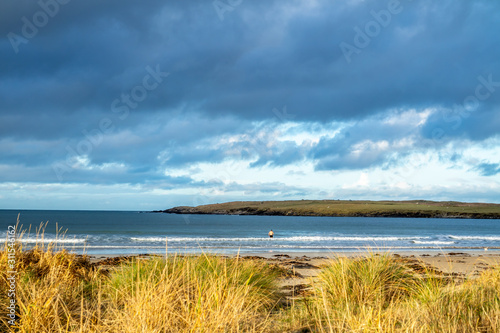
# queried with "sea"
point(128, 232)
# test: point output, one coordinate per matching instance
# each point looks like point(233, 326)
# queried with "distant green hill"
point(414, 208)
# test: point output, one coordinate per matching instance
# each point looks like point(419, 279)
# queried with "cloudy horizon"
point(126, 105)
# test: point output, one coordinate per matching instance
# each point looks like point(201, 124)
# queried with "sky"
point(144, 105)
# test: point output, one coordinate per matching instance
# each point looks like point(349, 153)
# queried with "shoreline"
point(308, 264)
point(269, 252)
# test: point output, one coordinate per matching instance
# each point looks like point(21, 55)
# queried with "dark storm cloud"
point(262, 55)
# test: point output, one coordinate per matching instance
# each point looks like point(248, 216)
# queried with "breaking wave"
point(433, 242)
point(484, 238)
point(53, 240)
point(279, 239)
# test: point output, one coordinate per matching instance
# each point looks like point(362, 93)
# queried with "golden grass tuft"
point(191, 294)
point(377, 293)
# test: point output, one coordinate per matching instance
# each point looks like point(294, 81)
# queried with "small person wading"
point(271, 233)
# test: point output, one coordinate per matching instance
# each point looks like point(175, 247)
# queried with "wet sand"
point(446, 261)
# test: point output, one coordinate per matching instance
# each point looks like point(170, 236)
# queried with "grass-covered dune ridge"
point(414, 208)
point(57, 291)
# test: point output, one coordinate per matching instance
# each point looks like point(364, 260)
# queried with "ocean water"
point(105, 232)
